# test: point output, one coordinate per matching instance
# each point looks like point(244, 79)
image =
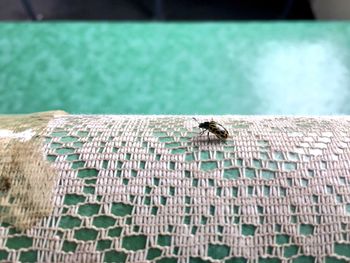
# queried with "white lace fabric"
point(150, 189)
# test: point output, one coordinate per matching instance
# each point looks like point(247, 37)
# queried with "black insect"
point(213, 127)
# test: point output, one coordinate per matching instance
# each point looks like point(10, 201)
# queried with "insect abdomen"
point(221, 134)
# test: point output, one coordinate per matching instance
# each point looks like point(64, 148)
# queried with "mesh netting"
point(148, 188)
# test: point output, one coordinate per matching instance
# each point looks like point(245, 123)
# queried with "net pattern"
point(149, 189)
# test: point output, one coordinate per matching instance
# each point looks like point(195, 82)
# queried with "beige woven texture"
point(26, 179)
point(149, 189)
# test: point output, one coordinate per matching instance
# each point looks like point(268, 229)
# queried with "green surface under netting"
point(136, 242)
point(151, 68)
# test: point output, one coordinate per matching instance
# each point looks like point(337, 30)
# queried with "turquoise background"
point(175, 68)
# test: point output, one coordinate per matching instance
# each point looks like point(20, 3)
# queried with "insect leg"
point(208, 136)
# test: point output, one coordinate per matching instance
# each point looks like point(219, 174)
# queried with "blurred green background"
point(176, 68)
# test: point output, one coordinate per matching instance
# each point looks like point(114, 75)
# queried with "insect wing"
point(222, 132)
